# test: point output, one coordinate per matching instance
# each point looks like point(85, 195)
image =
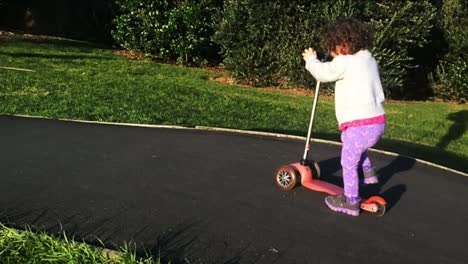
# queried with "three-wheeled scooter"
point(307, 173)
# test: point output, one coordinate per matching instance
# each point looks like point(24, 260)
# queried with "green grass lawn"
point(75, 80)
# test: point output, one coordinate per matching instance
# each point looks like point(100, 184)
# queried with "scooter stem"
point(312, 115)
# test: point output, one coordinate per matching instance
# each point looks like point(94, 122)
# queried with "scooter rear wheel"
point(373, 207)
point(286, 178)
point(381, 210)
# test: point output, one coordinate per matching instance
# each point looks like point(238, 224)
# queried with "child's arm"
point(324, 71)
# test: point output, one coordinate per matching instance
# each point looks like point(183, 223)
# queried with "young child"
point(359, 103)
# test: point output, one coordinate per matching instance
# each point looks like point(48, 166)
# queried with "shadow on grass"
point(456, 131)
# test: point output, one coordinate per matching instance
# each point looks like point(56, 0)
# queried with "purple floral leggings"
point(356, 141)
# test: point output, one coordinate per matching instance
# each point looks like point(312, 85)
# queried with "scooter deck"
point(315, 184)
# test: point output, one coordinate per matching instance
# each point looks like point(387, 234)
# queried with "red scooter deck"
point(315, 184)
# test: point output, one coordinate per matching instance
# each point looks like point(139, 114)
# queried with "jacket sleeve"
point(327, 71)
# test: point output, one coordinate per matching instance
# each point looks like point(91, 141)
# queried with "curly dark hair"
point(349, 32)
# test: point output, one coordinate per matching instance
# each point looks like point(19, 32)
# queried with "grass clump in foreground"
point(74, 80)
point(30, 247)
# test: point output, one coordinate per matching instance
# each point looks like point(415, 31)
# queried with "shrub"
point(138, 24)
point(452, 81)
point(189, 31)
point(455, 22)
point(301, 27)
point(262, 41)
point(398, 28)
point(168, 30)
point(451, 75)
point(245, 34)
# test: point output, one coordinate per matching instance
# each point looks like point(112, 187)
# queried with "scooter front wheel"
point(286, 178)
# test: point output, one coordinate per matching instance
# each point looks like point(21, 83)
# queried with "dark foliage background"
point(84, 19)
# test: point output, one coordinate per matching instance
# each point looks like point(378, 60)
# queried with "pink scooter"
point(307, 173)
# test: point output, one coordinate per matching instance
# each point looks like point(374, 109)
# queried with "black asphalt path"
point(210, 197)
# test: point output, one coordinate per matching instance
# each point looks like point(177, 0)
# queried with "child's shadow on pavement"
point(392, 195)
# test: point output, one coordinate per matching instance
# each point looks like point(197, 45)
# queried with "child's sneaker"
point(370, 177)
point(342, 204)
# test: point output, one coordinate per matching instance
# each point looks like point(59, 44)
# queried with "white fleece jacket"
point(358, 90)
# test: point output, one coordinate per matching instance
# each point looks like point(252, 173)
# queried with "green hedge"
point(265, 48)
point(451, 75)
point(452, 83)
point(168, 30)
point(399, 28)
point(260, 42)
